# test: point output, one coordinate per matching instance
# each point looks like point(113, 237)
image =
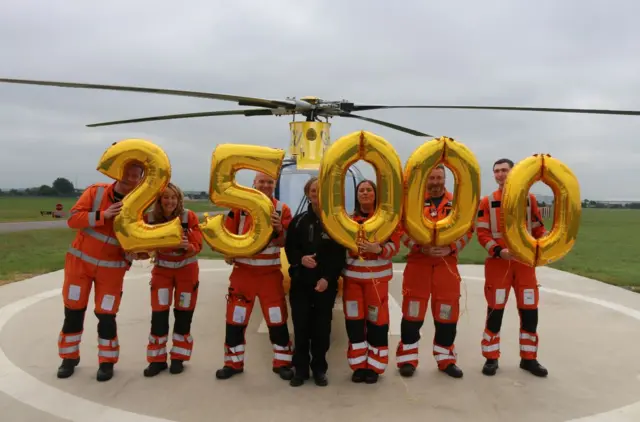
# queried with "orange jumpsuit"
point(94, 258)
point(436, 277)
point(501, 275)
point(257, 276)
point(174, 278)
point(366, 304)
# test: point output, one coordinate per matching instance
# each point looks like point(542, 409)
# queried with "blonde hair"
point(158, 213)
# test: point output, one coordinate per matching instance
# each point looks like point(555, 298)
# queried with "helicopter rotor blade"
point(387, 124)
point(544, 109)
point(243, 101)
point(248, 113)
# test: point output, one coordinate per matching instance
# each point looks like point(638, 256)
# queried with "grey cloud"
point(545, 53)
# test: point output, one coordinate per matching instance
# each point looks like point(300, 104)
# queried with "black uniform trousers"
point(311, 314)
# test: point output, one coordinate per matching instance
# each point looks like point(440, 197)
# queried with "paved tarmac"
point(53, 224)
point(588, 341)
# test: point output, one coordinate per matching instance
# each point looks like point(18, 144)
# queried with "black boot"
point(453, 371)
point(320, 379)
point(358, 375)
point(533, 366)
point(285, 372)
point(227, 372)
point(105, 371)
point(154, 369)
point(370, 377)
point(177, 366)
point(490, 367)
point(407, 370)
point(67, 367)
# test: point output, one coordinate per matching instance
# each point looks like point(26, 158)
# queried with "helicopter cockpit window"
point(291, 189)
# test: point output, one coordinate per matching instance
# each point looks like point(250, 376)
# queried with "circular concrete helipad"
point(588, 341)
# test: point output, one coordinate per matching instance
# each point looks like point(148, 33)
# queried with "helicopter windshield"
point(290, 189)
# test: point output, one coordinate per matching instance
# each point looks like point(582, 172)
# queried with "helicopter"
point(309, 138)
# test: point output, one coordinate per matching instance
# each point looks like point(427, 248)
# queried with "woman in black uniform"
point(315, 264)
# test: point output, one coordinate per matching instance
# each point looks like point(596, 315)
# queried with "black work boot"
point(285, 372)
point(453, 371)
point(154, 369)
point(67, 367)
point(105, 371)
point(177, 366)
point(358, 375)
point(407, 370)
point(321, 379)
point(533, 366)
point(370, 376)
point(490, 367)
point(227, 372)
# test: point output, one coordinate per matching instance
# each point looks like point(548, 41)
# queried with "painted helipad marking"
point(31, 391)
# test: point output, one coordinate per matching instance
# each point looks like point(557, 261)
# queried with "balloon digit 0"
point(337, 159)
point(226, 160)
point(130, 229)
point(567, 210)
point(466, 169)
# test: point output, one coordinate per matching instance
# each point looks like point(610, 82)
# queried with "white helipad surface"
point(588, 341)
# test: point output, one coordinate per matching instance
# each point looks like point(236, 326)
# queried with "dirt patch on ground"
point(17, 277)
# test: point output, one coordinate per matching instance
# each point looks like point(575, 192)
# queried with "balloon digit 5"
point(130, 229)
point(466, 169)
point(337, 159)
point(567, 210)
point(226, 160)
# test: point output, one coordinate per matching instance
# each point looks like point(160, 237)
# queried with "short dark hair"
point(503, 161)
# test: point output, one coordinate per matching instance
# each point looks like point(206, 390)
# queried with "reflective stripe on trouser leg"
point(108, 350)
point(357, 355)
point(407, 354)
point(234, 356)
point(490, 345)
point(182, 346)
point(157, 348)
point(378, 358)
point(69, 345)
point(282, 355)
point(444, 356)
point(528, 345)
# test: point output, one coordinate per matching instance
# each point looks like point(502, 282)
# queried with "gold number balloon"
point(226, 160)
point(131, 231)
point(466, 197)
point(337, 159)
point(567, 210)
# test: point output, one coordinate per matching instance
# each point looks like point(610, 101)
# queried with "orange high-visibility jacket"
point(178, 257)
point(372, 266)
point(239, 222)
point(95, 241)
point(438, 213)
point(490, 225)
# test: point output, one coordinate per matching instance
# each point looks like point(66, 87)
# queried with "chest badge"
point(434, 213)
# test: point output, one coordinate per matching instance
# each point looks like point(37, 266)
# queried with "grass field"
point(607, 249)
point(16, 208)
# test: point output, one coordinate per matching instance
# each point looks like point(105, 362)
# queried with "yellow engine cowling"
point(284, 267)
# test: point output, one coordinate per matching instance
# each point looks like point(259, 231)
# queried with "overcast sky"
point(519, 52)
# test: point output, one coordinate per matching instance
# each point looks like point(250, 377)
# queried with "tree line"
point(60, 187)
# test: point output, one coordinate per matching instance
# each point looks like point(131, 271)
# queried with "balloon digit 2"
point(130, 229)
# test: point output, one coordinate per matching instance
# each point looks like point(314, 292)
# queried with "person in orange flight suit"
point(432, 271)
point(95, 258)
point(174, 278)
point(502, 271)
point(258, 276)
point(366, 294)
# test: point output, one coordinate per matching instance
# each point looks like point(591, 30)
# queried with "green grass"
point(606, 249)
point(20, 208)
